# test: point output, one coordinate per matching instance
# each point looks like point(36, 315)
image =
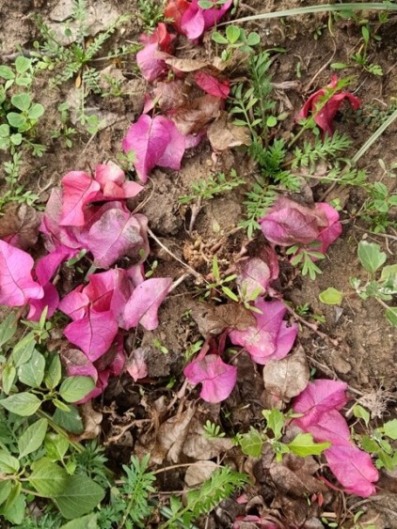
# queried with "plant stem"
point(326, 8)
point(77, 446)
point(372, 139)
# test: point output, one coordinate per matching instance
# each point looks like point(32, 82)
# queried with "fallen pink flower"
point(144, 303)
point(50, 300)
point(320, 396)
point(324, 114)
point(353, 468)
point(257, 273)
point(116, 233)
point(114, 185)
point(192, 20)
point(271, 338)
point(288, 223)
point(17, 286)
point(217, 378)
point(212, 85)
point(155, 141)
point(78, 190)
point(150, 59)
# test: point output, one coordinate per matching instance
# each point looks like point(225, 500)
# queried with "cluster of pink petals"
point(288, 223)
point(111, 300)
point(325, 115)
point(319, 404)
point(271, 338)
point(208, 369)
point(192, 20)
point(157, 141)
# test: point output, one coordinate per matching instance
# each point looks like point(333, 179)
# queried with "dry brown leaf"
point(197, 446)
point(297, 484)
point(288, 377)
point(22, 223)
point(171, 437)
point(186, 65)
point(92, 421)
point(171, 95)
point(197, 114)
point(222, 134)
point(199, 472)
point(214, 320)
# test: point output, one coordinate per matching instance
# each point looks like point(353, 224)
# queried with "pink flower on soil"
point(157, 47)
point(325, 114)
point(288, 223)
point(16, 283)
point(271, 338)
point(191, 19)
point(155, 141)
point(217, 378)
point(257, 273)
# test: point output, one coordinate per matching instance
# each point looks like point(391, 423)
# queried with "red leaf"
point(212, 85)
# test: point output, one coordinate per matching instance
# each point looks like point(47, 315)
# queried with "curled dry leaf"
point(197, 446)
point(186, 65)
point(294, 483)
point(288, 377)
point(199, 472)
point(222, 134)
point(92, 422)
point(171, 437)
point(214, 320)
point(19, 225)
point(195, 116)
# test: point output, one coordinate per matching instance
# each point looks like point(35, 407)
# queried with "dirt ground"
point(354, 343)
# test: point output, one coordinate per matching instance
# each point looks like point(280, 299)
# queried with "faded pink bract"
point(271, 338)
point(288, 223)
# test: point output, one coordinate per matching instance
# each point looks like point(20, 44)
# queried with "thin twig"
point(311, 326)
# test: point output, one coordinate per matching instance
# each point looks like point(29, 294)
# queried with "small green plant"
point(381, 287)
point(219, 284)
point(64, 131)
point(305, 258)
point(14, 192)
point(303, 445)
point(213, 186)
point(151, 13)
point(202, 500)
point(212, 430)
point(377, 441)
point(361, 57)
point(235, 38)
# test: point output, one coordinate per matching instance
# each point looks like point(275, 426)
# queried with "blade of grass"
point(326, 8)
point(372, 139)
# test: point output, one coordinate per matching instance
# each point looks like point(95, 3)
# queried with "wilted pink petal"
point(288, 223)
point(196, 20)
point(257, 273)
point(174, 11)
point(324, 116)
point(50, 300)
point(136, 274)
point(320, 396)
point(212, 85)
point(16, 283)
point(93, 334)
point(144, 303)
point(270, 339)
point(353, 468)
point(155, 141)
point(78, 190)
point(75, 304)
point(117, 364)
point(47, 265)
point(331, 426)
point(136, 365)
point(117, 234)
point(217, 378)
point(77, 364)
point(151, 62)
point(160, 36)
point(114, 185)
point(329, 234)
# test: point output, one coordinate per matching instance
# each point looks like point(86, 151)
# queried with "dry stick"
point(311, 326)
point(196, 274)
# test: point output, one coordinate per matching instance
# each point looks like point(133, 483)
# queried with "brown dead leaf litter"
point(161, 415)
